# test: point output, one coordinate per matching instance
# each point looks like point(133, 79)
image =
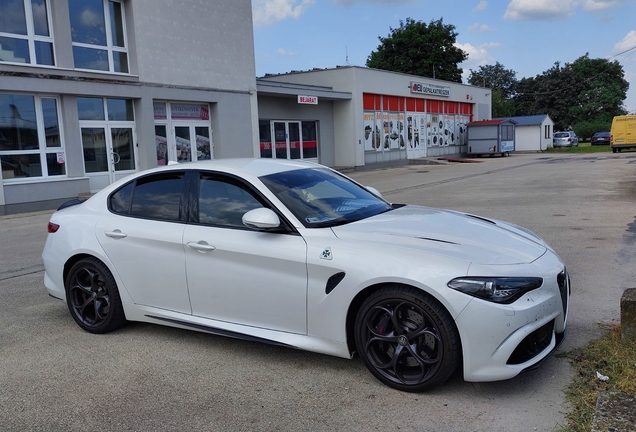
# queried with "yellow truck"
point(623, 133)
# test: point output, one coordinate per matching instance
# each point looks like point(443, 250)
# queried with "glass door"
point(288, 139)
point(109, 154)
point(192, 143)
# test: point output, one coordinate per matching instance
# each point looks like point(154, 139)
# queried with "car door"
point(143, 238)
point(239, 275)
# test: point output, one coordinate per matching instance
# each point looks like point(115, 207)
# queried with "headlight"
point(496, 289)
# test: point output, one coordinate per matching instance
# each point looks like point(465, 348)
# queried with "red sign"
point(311, 100)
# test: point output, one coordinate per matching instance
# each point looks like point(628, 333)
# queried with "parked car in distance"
point(565, 139)
point(297, 255)
point(600, 138)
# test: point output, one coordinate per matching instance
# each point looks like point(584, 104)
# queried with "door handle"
point(115, 234)
point(202, 246)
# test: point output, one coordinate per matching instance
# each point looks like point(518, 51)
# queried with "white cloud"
point(629, 41)
point(284, 52)
point(477, 55)
point(483, 4)
point(599, 5)
point(268, 12)
point(478, 28)
point(522, 10)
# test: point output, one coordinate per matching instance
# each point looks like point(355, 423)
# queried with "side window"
point(153, 197)
point(224, 203)
point(120, 200)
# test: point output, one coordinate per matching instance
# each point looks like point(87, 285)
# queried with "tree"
point(502, 82)
point(495, 77)
point(587, 90)
point(418, 49)
point(502, 107)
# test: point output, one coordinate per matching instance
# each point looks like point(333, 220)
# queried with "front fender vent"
point(333, 282)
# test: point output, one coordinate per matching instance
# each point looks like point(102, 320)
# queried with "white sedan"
point(298, 255)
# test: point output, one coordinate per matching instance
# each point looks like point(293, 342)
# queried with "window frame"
point(110, 48)
point(42, 149)
point(31, 37)
point(149, 178)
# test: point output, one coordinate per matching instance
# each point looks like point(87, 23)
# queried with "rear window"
point(561, 135)
point(154, 197)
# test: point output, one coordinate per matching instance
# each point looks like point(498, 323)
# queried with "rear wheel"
point(93, 298)
point(407, 339)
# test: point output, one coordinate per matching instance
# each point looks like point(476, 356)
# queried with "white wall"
point(198, 43)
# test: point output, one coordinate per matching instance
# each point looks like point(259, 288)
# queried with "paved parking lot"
point(55, 377)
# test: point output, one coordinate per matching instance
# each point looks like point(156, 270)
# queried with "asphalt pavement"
point(56, 377)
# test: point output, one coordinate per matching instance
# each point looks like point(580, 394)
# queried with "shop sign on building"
point(430, 89)
point(311, 100)
point(186, 111)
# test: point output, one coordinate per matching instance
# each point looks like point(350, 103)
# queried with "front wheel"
point(407, 339)
point(92, 297)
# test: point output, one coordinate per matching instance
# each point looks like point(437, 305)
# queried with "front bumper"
point(501, 341)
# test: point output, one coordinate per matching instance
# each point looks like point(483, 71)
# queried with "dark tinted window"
point(120, 200)
point(158, 197)
point(224, 203)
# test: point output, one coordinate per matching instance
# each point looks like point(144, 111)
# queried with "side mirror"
point(261, 219)
point(374, 191)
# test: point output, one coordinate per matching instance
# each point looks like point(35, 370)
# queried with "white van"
point(623, 133)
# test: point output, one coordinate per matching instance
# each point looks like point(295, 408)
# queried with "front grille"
point(563, 279)
point(532, 345)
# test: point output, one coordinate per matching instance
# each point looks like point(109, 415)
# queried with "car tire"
point(407, 339)
point(93, 298)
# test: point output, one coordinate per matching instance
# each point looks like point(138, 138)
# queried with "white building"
point(93, 90)
point(533, 133)
point(378, 117)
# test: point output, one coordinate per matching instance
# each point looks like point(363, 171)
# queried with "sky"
point(526, 36)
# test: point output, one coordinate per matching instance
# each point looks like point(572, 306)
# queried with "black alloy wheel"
point(407, 339)
point(92, 297)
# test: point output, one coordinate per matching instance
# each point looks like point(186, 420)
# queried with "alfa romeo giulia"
point(298, 255)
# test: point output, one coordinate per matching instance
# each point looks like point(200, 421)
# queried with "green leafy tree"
point(604, 90)
point(502, 107)
point(587, 90)
point(420, 49)
point(502, 81)
point(496, 77)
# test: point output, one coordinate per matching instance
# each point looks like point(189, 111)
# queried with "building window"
point(507, 133)
point(99, 35)
point(288, 139)
point(547, 131)
point(25, 32)
point(30, 137)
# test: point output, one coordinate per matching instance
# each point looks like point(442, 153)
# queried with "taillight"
point(51, 227)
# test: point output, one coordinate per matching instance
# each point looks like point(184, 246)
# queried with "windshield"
point(323, 198)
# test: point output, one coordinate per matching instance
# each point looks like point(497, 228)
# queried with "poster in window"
point(203, 148)
point(435, 130)
point(393, 130)
point(413, 130)
point(162, 150)
point(449, 130)
point(372, 134)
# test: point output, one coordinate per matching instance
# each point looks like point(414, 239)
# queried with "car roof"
point(254, 166)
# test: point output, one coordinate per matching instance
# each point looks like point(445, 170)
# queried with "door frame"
point(100, 179)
